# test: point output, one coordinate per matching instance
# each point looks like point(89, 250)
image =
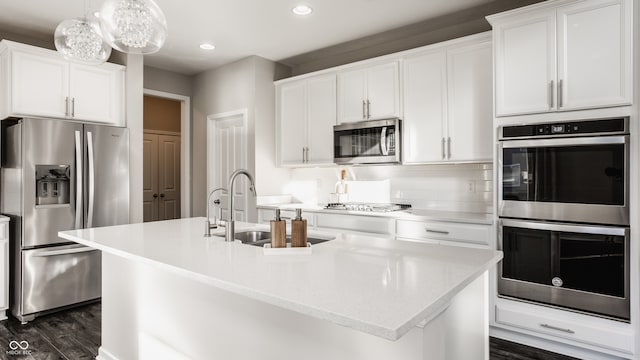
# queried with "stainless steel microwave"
point(368, 142)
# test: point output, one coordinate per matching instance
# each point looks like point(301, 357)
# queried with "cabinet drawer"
point(468, 233)
point(367, 224)
point(594, 332)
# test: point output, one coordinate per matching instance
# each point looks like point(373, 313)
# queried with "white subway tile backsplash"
point(458, 187)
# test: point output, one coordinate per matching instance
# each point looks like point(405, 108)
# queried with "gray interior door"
point(107, 175)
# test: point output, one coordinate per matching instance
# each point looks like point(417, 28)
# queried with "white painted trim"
point(105, 354)
point(185, 147)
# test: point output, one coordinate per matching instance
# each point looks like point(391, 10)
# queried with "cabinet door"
point(351, 96)
point(293, 115)
point(425, 107)
point(96, 93)
point(525, 65)
point(470, 116)
point(4, 274)
point(39, 85)
point(321, 108)
point(383, 91)
point(595, 54)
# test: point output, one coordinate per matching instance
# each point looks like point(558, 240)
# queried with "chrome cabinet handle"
point(442, 148)
point(550, 94)
point(73, 107)
point(443, 232)
point(66, 106)
point(307, 154)
point(560, 94)
point(448, 148)
point(368, 109)
point(364, 111)
point(303, 155)
point(569, 331)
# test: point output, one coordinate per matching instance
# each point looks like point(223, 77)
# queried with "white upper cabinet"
point(39, 82)
point(470, 114)
point(97, 93)
point(567, 55)
point(447, 103)
point(425, 107)
point(306, 116)
point(369, 93)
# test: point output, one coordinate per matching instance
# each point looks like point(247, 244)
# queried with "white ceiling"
point(240, 28)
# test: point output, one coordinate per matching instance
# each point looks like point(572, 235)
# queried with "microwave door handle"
point(383, 141)
point(79, 172)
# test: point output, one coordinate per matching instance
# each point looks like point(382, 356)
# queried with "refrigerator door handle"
point(63, 251)
point(79, 172)
point(92, 180)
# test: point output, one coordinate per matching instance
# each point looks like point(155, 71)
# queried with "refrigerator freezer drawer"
point(59, 276)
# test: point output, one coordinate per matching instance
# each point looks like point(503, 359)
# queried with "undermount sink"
point(259, 238)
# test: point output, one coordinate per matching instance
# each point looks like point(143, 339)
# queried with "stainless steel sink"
point(250, 237)
point(259, 238)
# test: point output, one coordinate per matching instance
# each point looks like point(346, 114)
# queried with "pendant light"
point(80, 40)
point(133, 26)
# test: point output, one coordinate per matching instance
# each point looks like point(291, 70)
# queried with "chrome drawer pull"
point(569, 331)
point(437, 231)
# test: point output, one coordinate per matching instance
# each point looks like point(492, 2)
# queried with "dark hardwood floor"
point(75, 335)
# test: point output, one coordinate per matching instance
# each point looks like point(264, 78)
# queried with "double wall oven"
point(563, 202)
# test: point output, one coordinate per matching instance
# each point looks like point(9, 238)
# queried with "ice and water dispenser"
point(52, 184)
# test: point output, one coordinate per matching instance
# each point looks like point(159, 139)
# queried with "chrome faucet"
point(230, 225)
point(207, 225)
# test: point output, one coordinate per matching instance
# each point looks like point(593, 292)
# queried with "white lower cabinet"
point(445, 233)
point(598, 334)
point(372, 225)
point(4, 266)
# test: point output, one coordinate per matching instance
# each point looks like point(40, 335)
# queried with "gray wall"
point(167, 81)
point(244, 84)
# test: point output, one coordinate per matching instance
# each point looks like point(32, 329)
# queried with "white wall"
point(244, 84)
point(167, 81)
point(458, 187)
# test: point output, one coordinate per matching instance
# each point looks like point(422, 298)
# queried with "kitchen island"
point(169, 292)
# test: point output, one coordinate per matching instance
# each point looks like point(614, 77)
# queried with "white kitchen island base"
point(149, 312)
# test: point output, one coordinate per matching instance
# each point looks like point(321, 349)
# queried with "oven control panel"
point(575, 128)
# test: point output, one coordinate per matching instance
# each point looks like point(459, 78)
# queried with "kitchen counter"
point(410, 214)
point(375, 286)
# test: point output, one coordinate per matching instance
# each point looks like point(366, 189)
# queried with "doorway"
point(161, 159)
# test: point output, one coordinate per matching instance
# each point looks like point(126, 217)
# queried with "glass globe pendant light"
point(80, 40)
point(133, 26)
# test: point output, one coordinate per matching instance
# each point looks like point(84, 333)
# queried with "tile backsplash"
point(447, 187)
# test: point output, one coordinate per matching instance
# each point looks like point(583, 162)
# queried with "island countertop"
point(378, 286)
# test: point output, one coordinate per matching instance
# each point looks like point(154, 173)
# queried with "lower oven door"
point(58, 276)
point(581, 267)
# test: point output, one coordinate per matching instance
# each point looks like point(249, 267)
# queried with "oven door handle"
point(583, 229)
point(575, 141)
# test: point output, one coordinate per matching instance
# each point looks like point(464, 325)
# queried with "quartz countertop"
point(378, 286)
point(409, 214)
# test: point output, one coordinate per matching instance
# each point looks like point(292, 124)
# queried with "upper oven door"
point(566, 179)
point(367, 142)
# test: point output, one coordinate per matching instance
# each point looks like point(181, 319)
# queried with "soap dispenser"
point(278, 231)
point(299, 230)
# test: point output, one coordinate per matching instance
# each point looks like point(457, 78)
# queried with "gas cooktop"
point(367, 207)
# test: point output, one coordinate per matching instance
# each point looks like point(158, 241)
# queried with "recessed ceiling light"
point(207, 46)
point(302, 10)
point(96, 14)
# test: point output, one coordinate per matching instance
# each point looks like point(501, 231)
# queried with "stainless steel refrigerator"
point(59, 175)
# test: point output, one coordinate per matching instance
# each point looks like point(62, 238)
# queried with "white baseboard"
point(105, 354)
